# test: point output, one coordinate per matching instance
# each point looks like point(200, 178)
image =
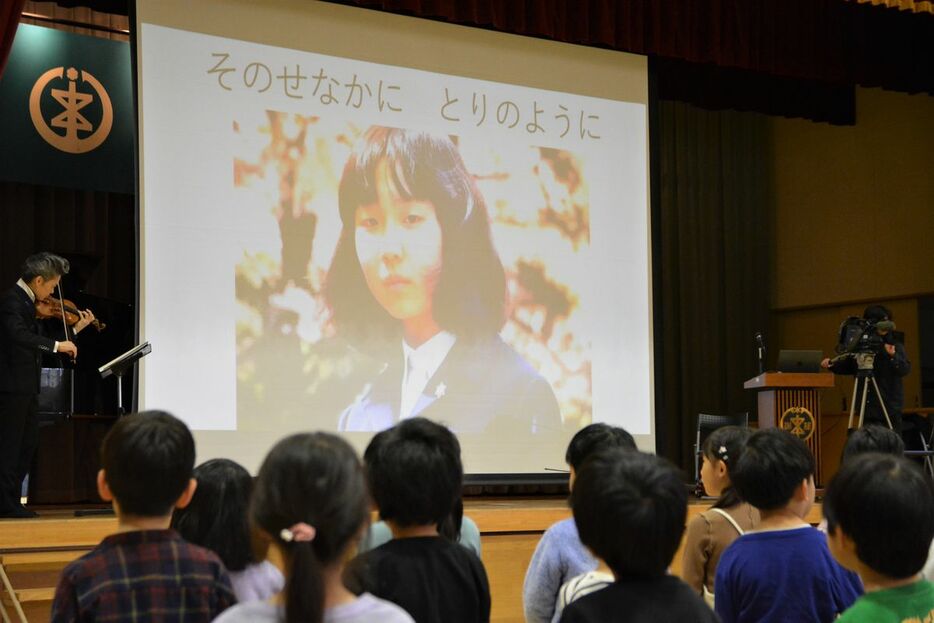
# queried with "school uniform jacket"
point(482, 386)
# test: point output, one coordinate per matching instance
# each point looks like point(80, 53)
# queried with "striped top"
point(581, 585)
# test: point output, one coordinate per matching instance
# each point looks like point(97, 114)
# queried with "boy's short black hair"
point(415, 472)
point(873, 438)
point(594, 438)
point(148, 460)
point(772, 466)
point(886, 505)
point(630, 510)
point(218, 515)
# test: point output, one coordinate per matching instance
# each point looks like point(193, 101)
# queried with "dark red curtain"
point(819, 48)
point(833, 42)
point(10, 11)
point(796, 38)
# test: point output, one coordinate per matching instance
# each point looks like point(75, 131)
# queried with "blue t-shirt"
point(783, 575)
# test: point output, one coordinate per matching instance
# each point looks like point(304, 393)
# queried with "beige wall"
point(854, 222)
point(854, 206)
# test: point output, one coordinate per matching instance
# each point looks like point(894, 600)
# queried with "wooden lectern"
point(791, 400)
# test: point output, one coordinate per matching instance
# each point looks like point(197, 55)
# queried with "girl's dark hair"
point(726, 444)
point(216, 517)
point(317, 479)
point(450, 528)
point(470, 297)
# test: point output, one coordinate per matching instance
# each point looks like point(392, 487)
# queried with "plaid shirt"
point(145, 575)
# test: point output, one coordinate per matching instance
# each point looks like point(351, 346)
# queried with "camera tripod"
point(864, 375)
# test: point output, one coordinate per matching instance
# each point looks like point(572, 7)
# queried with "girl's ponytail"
point(311, 498)
point(304, 586)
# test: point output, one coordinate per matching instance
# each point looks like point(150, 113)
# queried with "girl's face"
point(715, 477)
point(399, 249)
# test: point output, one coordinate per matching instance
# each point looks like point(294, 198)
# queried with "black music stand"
point(119, 366)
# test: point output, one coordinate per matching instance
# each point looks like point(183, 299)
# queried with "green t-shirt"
point(913, 603)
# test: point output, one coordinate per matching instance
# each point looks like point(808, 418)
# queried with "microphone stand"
point(761, 352)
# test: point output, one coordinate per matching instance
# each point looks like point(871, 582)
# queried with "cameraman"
point(890, 365)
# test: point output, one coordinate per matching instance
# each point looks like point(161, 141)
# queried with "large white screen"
point(314, 169)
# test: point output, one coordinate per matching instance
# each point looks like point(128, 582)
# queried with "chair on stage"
point(706, 424)
point(916, 425)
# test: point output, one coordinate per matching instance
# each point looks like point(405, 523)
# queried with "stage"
point(33, 551)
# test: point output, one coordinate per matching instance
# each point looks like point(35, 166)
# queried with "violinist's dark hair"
point(726, 444)
point(217, 516)
point(470, 297)
point(44, 264)
point(317, 479)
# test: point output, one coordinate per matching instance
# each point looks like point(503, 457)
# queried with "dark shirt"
point(433, 579)
point(145, 575)
point(658, 600)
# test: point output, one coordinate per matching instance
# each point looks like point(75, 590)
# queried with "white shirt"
point(420, 365)
point(32, 297)
point(27, 290)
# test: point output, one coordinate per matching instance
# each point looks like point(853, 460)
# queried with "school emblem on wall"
point(80, 135)
point(798, 421)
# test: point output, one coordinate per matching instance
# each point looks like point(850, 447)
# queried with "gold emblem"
point(799, 422)
point(70, 119)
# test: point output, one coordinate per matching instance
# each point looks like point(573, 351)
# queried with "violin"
point(63, 310)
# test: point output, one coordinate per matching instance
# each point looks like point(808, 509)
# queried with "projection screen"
point(349, 218)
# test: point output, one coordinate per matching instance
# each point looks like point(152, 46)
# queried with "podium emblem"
point(71, 119)
point(798, 421)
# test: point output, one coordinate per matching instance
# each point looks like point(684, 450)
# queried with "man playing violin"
point(22, 343)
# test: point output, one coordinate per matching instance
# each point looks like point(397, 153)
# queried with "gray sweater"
point(559, 556)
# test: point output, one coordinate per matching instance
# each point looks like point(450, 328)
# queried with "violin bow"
point(61, 302)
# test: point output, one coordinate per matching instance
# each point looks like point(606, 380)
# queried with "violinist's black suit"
point(21, 348)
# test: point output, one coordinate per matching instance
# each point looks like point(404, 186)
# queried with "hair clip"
point(299, 533)
point(722, 453)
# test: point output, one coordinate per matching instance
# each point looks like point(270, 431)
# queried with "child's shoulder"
point(792, 537)
point(196, 553)
point(563, 530)
point(668, 596)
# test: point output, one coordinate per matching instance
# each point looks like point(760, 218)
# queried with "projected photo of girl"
point(386, 273)
point(416, 280)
